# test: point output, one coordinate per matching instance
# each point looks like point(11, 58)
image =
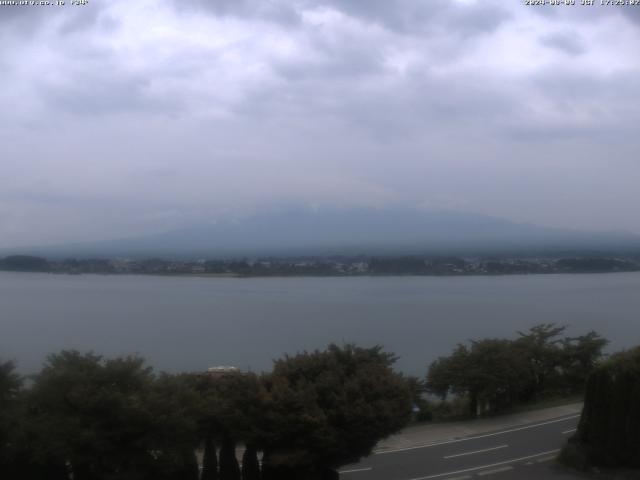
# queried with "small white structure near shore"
point(222, 370)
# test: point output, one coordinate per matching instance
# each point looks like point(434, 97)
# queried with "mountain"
point(353, 231)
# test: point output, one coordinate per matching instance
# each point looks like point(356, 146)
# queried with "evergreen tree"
point(609, 430)
point(209, 460)
point(250, 464)
point(187, 468)
point(229, 468)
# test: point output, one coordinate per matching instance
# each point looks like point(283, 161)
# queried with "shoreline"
point(319, 275)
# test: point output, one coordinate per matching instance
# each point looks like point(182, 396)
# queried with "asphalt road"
point(525, 452)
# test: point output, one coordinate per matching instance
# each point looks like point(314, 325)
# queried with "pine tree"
point(609, 430)
point(210, 460)
point(250, 464)
point(229, 468)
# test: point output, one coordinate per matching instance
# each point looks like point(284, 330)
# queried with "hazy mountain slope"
point(349, 231)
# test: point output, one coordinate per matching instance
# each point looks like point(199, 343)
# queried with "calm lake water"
point(193, 323)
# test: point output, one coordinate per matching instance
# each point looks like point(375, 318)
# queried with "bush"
point(425, 414)
point(573, 455)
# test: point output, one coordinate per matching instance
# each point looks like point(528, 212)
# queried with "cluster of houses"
point(325, 266)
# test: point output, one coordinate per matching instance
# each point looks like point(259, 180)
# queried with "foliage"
point(490, 372)
point(110, 418)
point(24, 263)
point(10, 386)
point(497, 374)
point(540, 347)
point(231, 406)
point(88, 410)
point(89, 418)
point(250, 464)
point(329, 408)
point(609, 429)
point(418, 389)
point(595, 265)
point(580, 357)
point(209, 460)
point(229, 468)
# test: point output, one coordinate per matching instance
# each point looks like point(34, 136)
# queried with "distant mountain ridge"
point(369, 231)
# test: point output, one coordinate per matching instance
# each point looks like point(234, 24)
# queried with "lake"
point(189, 323)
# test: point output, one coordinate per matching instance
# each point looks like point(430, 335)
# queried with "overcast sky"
point(119, 118)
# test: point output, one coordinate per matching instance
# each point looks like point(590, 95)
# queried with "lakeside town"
point(325, 266)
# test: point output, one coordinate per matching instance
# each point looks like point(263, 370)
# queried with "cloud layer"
point(121, 118)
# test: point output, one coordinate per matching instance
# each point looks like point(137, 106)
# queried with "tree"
point(422, 407)
point(328, 408)
point(491, 373)
point(580, 356)
point(495, 374)
point(174, 406)
point(609, 430)
point(24, 263)
point(498, 375)
point(449, 374)
point(250, 464)
point(113, 418)
point(17, 460)
point(231, 408)
point(209, 460)
point(541, 347)
point(10, 386)
point(92, 412)
point(229, 468)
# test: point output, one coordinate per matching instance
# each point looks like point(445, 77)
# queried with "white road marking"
point(477, 451)
point(428, 445)
point(466, 477)
point(355, 470)
point(482, 467)
point(495, 470)
point(546, 459)
point(569, 431)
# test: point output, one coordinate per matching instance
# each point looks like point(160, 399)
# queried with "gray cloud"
point(26, 19)
point(633, 14)
point(99, 93)
point(411, 17)
point(279, 11)
point(567, 42)
point(145, 116)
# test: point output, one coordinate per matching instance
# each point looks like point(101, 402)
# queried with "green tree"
point(609, 430)
point(174, 406)
point(229, 468)
point(112, 418)
point(580, 355)
point(232, 406)
point(10, 386)
point(24, 263)
point(92, 413)
point(250, 464)
point(328, 408)
point(209, 459)
point(541, 347)
point(495, 374)
point(417, 389)
point(449, 374)
point(491, 374)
